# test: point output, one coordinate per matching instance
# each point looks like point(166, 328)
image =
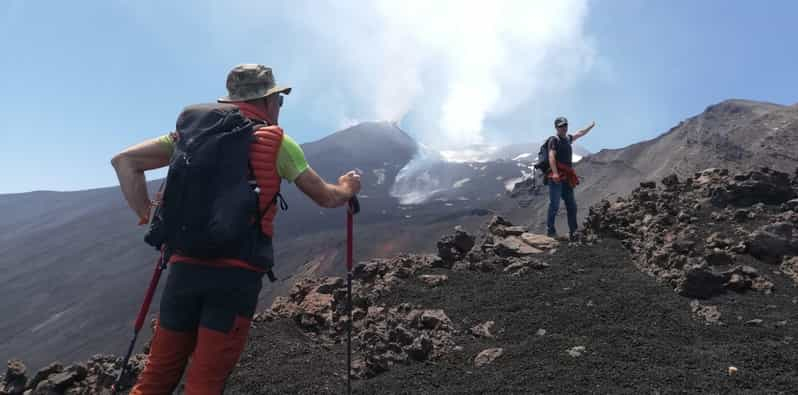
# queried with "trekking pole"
point(160, 265)
point(354, 208)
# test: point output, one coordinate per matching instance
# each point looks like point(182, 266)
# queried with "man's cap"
point(560, 121)
point(249, 82)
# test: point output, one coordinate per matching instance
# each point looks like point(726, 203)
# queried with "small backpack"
point(542, 163)
point(210, 209)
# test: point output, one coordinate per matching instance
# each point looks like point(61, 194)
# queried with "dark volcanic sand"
point(639, 337)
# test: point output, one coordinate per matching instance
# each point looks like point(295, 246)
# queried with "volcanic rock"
point(57, 383)
point(538, 241)
point(510, 231)
point(541, 332)
point(739, 283)
point(420, 349)
point(742, 215)
point(433, 280)
point(487, 356)
point(44, 373)
point(330, 284)
point(701, 283)
point(454, 247)
point(790, 268)
point(684, 256)
point(14, 381)
point(435, 319)
point(514, 246)
point(483, 329)
point(670, 181)
point(771, 242)
point(496, 224)
point(708, 313)
point(719, 258)
point(715, 240)
point(576, 352)
point(766, 186)
point(513, 267)
point(317, 303)
point(80, 370)
point(15, 369)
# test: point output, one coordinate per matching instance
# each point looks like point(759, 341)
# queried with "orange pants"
point(213, 356)
point(205, 315)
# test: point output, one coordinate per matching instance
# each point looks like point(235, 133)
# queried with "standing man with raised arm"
point(562, 178)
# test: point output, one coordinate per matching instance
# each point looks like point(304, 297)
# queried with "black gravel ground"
point(639, 337)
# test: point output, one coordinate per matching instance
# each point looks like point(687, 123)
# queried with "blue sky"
point(82, 80)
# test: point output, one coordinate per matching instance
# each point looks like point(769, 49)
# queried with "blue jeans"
point(558, 190)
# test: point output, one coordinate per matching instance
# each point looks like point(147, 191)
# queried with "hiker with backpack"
point(555, 161)
point(215, 224)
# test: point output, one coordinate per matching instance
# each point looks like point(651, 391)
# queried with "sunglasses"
point(280, 100)
point(564, 125)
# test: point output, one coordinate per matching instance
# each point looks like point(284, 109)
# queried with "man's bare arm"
point(130, 165)
point(583, 132)
point(328, 195)
point(553, 163)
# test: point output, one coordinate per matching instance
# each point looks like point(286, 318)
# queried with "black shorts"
point(212, 297)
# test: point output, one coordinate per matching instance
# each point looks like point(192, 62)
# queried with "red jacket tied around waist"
point(567, 173)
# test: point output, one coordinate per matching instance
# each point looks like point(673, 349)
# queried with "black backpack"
point(210, 209)
point(542, 163)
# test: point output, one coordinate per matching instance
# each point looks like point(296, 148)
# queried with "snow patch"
point(522, 156)
point(460, 183)
point(380, 174)
point(510, 184)
point(479, 154)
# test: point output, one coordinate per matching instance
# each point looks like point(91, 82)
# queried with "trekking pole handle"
point(354, 208)
point(354, 205)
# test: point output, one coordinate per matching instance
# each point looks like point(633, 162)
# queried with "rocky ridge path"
point(687, 287)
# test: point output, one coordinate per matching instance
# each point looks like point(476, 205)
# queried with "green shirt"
point(290, 160)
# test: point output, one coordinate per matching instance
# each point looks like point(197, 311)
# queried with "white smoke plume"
point(452, 65)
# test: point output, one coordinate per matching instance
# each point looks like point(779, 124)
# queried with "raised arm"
point(328, 195)
point(583, 132)
point(130, 165)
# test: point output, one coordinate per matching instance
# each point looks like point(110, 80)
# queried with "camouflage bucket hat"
point(250, 82)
